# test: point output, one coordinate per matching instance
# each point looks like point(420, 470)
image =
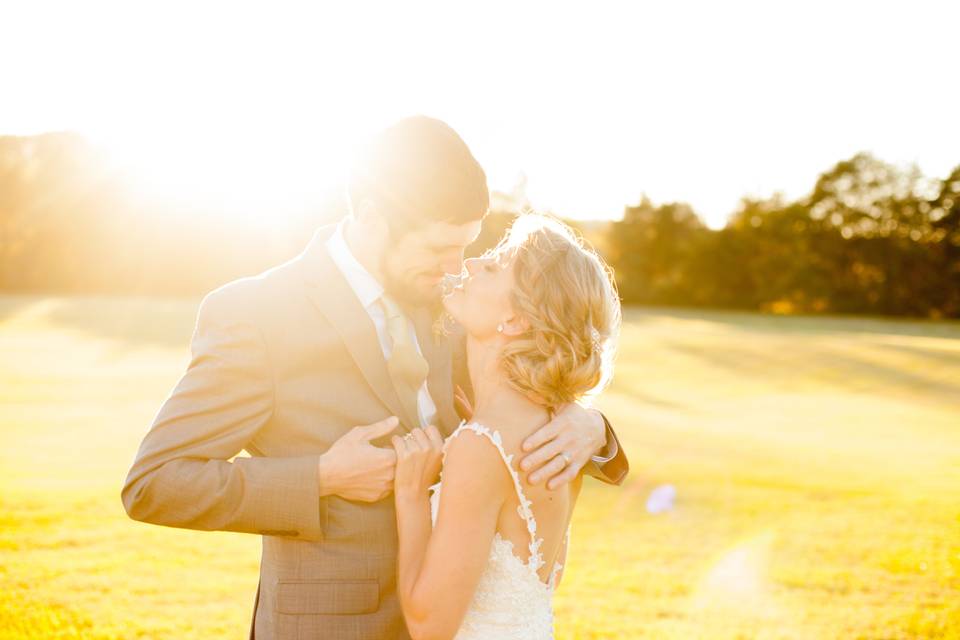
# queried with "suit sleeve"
point(185, 474)
point(614, 470)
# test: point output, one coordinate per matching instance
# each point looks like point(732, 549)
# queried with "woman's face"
point(481, 302)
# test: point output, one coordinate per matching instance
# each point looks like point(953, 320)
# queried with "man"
point(286, 364)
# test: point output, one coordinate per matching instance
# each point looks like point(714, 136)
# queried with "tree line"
point(869, 237)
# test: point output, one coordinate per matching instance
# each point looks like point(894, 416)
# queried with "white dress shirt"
point(369, 291)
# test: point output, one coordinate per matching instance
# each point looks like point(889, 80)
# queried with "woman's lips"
point(451, 283)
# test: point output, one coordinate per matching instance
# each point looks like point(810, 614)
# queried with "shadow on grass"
point(12, 304)
point(930, 357)
point(751, 322)
point(131, 322)
point(846, 371)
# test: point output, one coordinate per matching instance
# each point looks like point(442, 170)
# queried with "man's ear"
point(370, 218)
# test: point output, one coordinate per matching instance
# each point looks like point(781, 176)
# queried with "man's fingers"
point(398, 445)
point(565, 477)
point(463, 409)
point(541, 455)
point(377, 429)
point(548, 470)
point(544, 434)
point(461, 404)
point(436, 439)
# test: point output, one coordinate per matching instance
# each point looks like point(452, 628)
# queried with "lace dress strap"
point(535, 561)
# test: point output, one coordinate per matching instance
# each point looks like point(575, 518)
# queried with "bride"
point(482, 556)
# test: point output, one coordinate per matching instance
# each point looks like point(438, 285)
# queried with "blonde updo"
point(568, 296)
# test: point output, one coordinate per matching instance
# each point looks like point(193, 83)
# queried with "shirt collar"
point(367, 288)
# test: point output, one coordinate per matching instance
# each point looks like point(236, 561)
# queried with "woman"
point(481, 558)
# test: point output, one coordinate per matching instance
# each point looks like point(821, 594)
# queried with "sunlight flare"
point(737, 586)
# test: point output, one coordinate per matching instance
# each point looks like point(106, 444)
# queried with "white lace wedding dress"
point(511, 602)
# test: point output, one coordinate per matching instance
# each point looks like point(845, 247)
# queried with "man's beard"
point(406, 293)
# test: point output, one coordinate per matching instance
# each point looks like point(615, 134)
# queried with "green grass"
point(816, 461)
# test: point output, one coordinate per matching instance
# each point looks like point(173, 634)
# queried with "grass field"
point(816, 463)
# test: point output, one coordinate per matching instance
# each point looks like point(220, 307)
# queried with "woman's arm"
point(439, 569)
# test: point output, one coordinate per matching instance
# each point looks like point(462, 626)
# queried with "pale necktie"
point(408, 369)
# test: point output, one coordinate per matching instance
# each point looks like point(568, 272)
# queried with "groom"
point(286, 364)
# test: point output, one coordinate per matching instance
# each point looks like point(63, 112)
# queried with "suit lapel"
point(330, 292)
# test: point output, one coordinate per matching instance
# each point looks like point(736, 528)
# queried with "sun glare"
point(737, 586)
point(257, 107)
point(256, 171)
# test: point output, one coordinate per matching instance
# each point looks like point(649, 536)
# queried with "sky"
point(262, 105)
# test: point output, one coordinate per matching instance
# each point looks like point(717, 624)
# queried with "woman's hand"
point(419, 457)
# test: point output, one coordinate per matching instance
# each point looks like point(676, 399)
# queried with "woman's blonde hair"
point(568, 297)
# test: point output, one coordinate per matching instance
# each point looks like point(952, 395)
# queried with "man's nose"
point(452, 266)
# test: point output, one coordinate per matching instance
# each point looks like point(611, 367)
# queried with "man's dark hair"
point(418, 171)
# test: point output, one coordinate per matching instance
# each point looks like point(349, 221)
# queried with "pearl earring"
point(500, 328)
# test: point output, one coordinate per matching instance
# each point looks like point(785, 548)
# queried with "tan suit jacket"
point(283, 364)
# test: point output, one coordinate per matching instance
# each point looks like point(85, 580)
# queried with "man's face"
point(415, 262)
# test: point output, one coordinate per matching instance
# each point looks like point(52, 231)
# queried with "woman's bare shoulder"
point(472, 459)
point(510, 431)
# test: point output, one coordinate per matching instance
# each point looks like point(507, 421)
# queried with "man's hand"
point(355, 469)
point(563, 445)
point(461, 403)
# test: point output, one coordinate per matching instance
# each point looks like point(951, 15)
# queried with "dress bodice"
point(511, 601)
